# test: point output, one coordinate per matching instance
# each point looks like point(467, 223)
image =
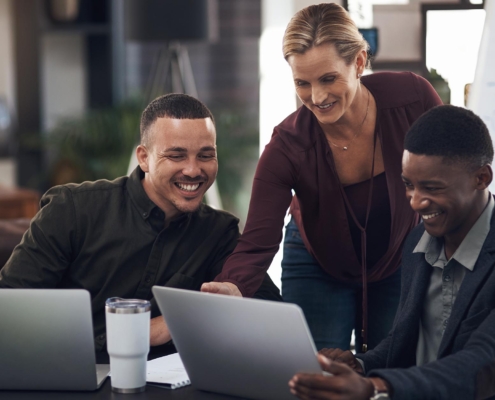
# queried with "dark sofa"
point(11, 231)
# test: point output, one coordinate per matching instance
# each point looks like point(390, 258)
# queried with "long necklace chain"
point(360, 127)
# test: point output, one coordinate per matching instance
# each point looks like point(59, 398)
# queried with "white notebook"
point(168, 372)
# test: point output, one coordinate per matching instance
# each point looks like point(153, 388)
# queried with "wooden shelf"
point(33, 22)
point(82, 28)
point(18, 203)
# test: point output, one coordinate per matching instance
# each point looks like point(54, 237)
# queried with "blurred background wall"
point(66, 75)
point(7, 88)
point(76, 72)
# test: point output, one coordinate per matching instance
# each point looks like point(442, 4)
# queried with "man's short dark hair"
point(176, 106)
point(455, 133)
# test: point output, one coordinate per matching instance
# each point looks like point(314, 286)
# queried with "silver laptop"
point(46, 341)
point(243, 347)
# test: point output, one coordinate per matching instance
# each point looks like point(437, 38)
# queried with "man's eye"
point(175, 157)
point(407, 185)
point(300, 83)
point(328, 79)
point(207, 156)
point(432, 189)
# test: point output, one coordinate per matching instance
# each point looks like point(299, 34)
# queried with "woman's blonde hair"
point(324, 23)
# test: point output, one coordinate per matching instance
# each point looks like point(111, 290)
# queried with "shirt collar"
point(135, 187)
point(469, 250)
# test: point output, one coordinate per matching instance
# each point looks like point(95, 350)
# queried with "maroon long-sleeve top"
point(298, 158)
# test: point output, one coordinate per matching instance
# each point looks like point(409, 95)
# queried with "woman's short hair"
point(324, 23)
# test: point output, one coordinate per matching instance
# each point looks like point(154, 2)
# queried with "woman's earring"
point(359, 76)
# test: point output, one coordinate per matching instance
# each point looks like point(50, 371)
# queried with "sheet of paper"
point(167, 371)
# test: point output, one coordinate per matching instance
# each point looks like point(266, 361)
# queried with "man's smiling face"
point(444, 194)
point(180, 163)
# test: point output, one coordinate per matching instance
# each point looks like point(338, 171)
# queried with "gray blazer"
point(465, 368)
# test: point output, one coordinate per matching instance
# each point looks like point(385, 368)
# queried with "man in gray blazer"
point(442, 344)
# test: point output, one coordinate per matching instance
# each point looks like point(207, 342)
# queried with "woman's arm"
point(271, 196)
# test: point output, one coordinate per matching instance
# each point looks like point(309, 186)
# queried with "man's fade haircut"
point(455, 133)
point(175, 106)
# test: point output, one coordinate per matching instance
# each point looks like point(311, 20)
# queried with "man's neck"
point(171, 213)
point(173, 218)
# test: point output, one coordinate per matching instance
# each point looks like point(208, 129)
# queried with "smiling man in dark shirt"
point(119, 238)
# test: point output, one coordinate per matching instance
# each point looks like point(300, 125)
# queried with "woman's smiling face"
point(324, 82)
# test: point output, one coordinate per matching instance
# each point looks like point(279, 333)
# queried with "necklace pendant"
point(345, 147)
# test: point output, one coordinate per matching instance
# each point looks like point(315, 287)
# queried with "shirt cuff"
point(362, 364)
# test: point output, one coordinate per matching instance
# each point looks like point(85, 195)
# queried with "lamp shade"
point(166, 20)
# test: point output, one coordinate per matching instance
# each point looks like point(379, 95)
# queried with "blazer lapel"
point(469, 288)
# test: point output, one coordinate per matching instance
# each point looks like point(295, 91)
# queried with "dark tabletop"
point(105, 393)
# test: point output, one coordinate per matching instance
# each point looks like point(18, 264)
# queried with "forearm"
point(32, 265)
point(159, 333)
point(47, 248)
point(377, 357)
point(268, 290)
point(271, 196)
point(380, 386)
point(438, 380)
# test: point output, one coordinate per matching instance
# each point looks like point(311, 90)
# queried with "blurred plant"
point(97, 145)
point(237, 148)
point(440, 84)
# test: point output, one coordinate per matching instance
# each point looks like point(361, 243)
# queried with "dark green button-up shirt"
point(109, 238)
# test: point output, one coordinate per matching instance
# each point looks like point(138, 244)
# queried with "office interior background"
point(76, 74)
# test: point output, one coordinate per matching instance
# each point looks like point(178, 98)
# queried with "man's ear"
point(142, 154)
point(484, 177)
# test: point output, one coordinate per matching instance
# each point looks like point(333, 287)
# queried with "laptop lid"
point(46, 340)
point(243, 347)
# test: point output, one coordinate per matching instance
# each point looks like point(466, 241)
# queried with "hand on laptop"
point(221, 288)
point(159, 333)
point(343, 384)
point(343, 356)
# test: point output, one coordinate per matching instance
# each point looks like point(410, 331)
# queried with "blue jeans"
point(333, 308)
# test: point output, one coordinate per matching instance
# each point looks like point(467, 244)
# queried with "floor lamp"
point(171, 70)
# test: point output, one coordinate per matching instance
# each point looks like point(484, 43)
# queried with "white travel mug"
point(128, 343)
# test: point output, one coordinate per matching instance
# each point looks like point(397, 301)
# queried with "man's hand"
point(345, 357)
point(344, 384)
point(221, 288)
point(159, 333)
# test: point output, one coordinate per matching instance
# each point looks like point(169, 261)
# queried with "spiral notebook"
point(167, 372)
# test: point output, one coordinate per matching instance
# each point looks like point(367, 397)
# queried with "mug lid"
point(117, 305)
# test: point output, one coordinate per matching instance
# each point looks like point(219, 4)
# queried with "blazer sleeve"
point(459, 376)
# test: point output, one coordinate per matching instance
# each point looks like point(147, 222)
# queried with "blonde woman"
point(341, 155)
